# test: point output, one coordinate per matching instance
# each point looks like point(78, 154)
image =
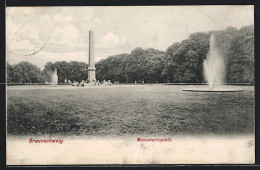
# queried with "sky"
point(42, 34)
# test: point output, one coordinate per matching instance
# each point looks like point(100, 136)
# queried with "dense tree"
point(77, 71)
point(140, 66)
point(184, 60)
point(240, 67)
point(24, 72)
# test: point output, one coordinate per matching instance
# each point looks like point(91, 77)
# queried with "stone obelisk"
point(91, 58)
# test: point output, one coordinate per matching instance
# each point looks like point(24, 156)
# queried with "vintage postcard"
point(90, 85)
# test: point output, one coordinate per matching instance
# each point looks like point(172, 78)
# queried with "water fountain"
point(54, 77)
point(214, 72)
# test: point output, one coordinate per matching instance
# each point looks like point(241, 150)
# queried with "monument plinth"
point(91, 58)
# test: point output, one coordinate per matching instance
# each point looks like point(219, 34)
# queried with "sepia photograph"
point(110, 85)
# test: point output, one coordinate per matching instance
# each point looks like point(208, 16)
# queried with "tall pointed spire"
point(91, 58)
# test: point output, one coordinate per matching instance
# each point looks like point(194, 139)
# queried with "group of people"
point(95, 83)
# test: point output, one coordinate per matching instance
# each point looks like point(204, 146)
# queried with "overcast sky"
point(116, 29)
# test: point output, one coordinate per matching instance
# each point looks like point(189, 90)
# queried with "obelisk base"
point(91, 75)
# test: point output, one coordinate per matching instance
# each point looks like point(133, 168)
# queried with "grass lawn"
point(126, 110)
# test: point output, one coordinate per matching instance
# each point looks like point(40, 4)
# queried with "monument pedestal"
point(91, 75)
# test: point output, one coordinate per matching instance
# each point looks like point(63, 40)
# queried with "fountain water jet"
point(54, 78)
point(214, 71)
point(214, 67)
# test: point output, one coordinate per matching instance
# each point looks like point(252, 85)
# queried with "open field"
point(128, 110)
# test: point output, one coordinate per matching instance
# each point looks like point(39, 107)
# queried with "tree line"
point(25, 72)
point(182, 62)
